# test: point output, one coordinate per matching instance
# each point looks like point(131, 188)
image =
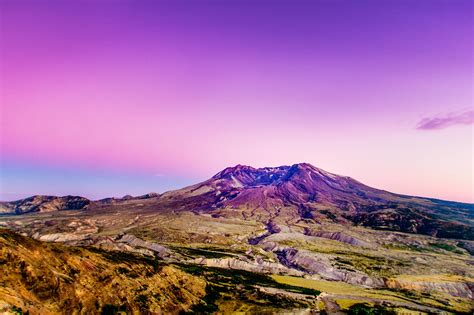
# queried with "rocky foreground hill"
point(293, 238)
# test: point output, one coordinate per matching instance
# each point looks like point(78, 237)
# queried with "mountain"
point(303, 192)
point(41, 203)
point(286, 195)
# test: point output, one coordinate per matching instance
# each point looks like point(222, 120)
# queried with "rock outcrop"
point(258, 265)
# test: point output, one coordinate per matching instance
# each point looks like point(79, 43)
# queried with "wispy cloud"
point(446, 120)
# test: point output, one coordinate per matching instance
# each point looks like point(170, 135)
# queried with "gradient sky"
point(106, 98)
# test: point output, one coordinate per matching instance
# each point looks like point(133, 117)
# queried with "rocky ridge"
point(41, 203)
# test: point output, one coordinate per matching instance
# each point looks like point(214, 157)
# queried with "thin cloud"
point(447, 120)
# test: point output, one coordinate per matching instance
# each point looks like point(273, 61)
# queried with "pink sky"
point(381, 92)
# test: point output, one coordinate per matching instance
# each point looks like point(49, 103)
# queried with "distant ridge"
point(41, 203)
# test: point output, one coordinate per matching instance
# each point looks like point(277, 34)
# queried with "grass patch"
point(372, 265)
point(447, 247)
point(346, 303)
point(367, 309)
point(319, 285)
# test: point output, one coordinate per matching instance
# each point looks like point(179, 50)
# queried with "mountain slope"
point(290, 194)
point(49, 278)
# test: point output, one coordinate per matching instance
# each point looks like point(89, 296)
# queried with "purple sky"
point(104, 98)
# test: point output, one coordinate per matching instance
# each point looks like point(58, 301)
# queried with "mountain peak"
point(246, 168)
point(304, 165)
point(248, 176)
point(233, 170)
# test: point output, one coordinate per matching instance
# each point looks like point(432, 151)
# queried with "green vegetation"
point(225, 284)
point(447, 247)
point(19, 311)
point(366, 309)
point(371, 265)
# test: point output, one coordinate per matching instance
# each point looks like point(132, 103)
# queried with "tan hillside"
point(50, 278)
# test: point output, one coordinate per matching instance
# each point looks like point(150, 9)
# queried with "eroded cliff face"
point(320, 265)
point(337, 236)
point(257, 265)
point(449, 285)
